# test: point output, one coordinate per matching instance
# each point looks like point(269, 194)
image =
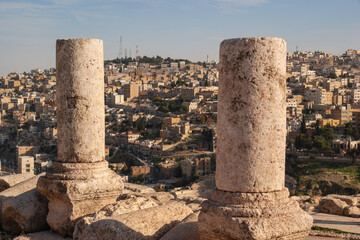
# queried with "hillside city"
point(161, 117)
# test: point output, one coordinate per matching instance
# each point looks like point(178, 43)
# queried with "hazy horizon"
point(168, 28)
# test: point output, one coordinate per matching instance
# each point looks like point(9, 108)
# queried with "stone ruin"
point(250, 200)
point(86, 200)
point(80, 182)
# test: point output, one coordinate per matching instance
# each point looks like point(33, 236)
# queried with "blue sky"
point(177, 28)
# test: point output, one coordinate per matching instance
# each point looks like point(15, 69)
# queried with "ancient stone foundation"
point(250, 200)
point(80, 182)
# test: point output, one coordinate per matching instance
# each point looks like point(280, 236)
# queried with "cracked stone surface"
point(251, 115)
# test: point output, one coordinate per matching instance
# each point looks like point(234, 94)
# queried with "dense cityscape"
point(179, 120)
point(161, 140)
point(161, 115)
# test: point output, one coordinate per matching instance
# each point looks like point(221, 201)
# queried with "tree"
point(116, 127)
point(207, 133)
point(164, 108)
point(317, 127)
point(201, 118)
point(332, 76)
point(301, 141)
point(348, 129)
point(303, 125)
point(184, 109)
point(147, 134)
point(356, 134)
point(327, 133)
point(321, 143)
point(140, 124)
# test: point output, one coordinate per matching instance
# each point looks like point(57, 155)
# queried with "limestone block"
point(130, 204)
point(10, 180)
point(136, 188)
point(18, 189)
point(44, 235)
point(150, 223)
point(332, 206)
point(251, 115)
point(161, 197)
point(131, 190)
point(253, 216)
point(194, 206)
point(351, 211)
point(186, 230)
point(72, 199)
point(350, 200)
point(25, 213)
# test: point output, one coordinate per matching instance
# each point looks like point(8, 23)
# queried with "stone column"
point(80, 182)
point(250, 200)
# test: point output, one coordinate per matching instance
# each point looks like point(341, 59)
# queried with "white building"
point(25, 164)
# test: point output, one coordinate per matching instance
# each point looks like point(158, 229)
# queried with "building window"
point(27, 170)
point(27, 165)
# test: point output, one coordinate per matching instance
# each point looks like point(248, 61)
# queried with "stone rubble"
point(13, 179)
point(339, 205)
point(44, 235)
point(128, 205)
point(17, 190)
point(186, 230)
point(25, 213)
point(149, 223)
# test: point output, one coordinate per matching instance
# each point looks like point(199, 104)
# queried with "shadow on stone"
point(25, 213)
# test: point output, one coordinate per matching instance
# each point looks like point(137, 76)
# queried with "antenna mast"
point(137, 53)
point(120, 49)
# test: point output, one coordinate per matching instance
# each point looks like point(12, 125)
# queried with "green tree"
point(147, 134)
point(140, 124)
point(184, 109)
point(303, 125)
point(327, 133)
point(332, 76)
point(116, 127)
point(164, 108)
point(317, 127)
point(201, 118)
point(348, 129)
point(301, 141)
point(321, 143)
point(356, 134)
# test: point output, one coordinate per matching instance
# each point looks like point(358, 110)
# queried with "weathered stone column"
point(250, 200)
point(80, 182)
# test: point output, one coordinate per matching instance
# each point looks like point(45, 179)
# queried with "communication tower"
point(137, 53)
point(120, 49)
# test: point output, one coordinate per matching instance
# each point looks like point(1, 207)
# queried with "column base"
point(75, 190)
point(273, 215)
